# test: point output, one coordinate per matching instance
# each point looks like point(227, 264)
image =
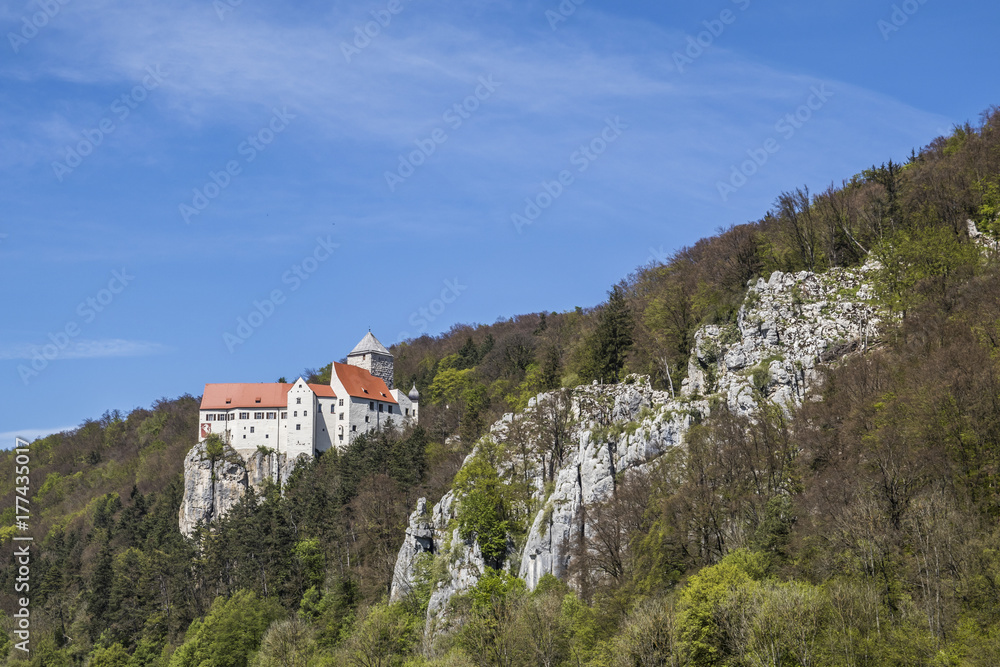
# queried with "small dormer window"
point(257, 400)
point(229, 401)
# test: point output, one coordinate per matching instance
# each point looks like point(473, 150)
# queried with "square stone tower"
point(372, 356)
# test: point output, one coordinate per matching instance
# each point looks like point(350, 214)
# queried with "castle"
point(308, 419)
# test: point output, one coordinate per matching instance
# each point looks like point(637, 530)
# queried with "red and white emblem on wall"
point(206, 430)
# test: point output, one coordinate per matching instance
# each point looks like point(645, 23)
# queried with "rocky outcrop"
point(212, 486)
point(644, 425)
point(787, 327)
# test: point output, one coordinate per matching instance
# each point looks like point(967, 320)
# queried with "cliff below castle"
point(786, 329)
point(215, 482)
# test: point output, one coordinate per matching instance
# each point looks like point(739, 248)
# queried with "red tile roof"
point(361, 384)
point(323, 390)
point(260, 395)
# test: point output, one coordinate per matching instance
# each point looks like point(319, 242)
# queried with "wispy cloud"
point(86, 349)
point(9, 438)
point(554, 85)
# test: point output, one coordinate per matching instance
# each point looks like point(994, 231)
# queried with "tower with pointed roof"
point(372, 356)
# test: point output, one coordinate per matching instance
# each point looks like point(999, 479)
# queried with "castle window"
point(332, 408)
point(305, 413)
point(251, 429)
point(272, 415)
point(380, 407)
point(244, 437)
point(341, 416)
point(354, 428)
point(258, 415)
point(298, 427)
point(341, 402)
point(210, 418)
point(284, 414)
point(407, 412)
point(389, 410)
point(367, 419)
point(298, 400)
point(295, 413)
point(371, 405)
point(244, 415)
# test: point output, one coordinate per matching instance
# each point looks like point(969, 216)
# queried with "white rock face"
point(787, 326)
point(589, 474)
point(434, 533)
point(212, 489)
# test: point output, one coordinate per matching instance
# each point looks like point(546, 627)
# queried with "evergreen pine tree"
point(611, 341)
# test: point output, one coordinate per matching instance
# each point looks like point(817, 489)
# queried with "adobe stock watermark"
point(581, 158)
point(424, 316)
point(900, 16)
point(562, 13)
point(454, 117)
point(224, 7)
point(31, 25)
point(60, 341)
point(697, 45)
point(120, 109)
point(294, 278)
point(658, 256)
point(21, 627)
point(217, 181)
point(787, 126)
point(364, 34)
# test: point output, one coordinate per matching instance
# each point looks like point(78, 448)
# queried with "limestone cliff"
point(213, 486)
point(787, 327)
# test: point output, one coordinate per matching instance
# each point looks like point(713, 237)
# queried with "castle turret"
point(372, 356)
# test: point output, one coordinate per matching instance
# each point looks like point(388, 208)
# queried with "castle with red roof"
point(301, 418)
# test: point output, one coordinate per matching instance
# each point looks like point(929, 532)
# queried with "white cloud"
point(354, 119)
point(86, 349)
point(8, 439)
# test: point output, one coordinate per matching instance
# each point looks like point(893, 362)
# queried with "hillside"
point(809, 476)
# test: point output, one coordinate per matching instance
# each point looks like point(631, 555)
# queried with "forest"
point(859, 529)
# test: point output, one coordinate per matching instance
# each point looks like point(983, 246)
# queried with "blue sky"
point(169, 169)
